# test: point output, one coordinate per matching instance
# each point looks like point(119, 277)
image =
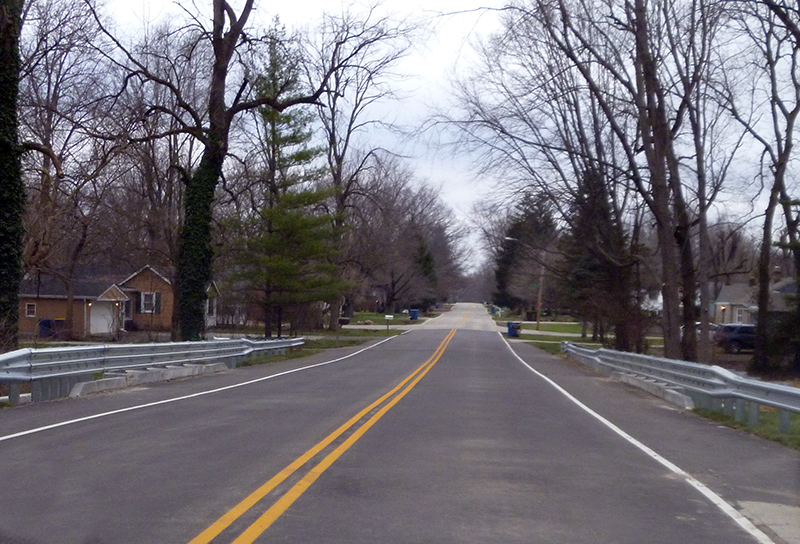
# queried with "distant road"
point(442, 435)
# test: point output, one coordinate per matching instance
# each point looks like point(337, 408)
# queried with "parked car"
point(734, 337)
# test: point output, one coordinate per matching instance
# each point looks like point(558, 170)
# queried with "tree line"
point(215, 149)
point(648, 146)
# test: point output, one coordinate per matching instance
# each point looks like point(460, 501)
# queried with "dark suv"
point(734, 337)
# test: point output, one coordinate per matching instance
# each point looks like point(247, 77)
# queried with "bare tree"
point(691, 34)
point(59, 97)
point(405, 241)
point(773, 95)
point(529, 112)
point(345, 109)
point(230, 93)
point(592, 87)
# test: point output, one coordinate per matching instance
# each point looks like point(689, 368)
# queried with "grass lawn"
point(311, 347)
point(347, 333)
point(767, 426)
point(364, 316)
point(380, 319)
point(572, 328)
point(552, 344)
point(549, 347)
point(41, 343)
point(558, 338)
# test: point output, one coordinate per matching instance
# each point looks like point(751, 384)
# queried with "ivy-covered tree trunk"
point(12, 193)
point(194, 250)
point(194, 245)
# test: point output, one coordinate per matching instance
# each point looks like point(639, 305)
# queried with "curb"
point(121, 380)
point(660, 389)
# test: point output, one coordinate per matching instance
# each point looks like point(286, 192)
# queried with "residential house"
point(150, 300)
point(44, 305)
point(142, 301)
point(736, 303)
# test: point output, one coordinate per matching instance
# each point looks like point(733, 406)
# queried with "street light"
point(541, 283)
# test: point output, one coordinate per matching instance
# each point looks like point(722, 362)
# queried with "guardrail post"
point(784, 420)
point(754, 411)
point(40, 390)
point(36, 394)
point(741, 408)
point(65, 386)
point(730, 407)
point(701, 400)
point(13, 394)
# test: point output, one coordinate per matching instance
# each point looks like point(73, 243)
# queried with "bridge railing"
point(710, 387)
point(53, 372)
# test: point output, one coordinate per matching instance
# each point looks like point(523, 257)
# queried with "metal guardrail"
point(710, 387)
point(53, 372)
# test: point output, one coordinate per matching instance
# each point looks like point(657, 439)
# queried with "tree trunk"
point(333, 325)
point(268, 320)
point(69, 318)
point(704, 342)
point(338, 225)
point(194, 246)
point(689, 288)
point(194, 250)
point(761, 362)
point(656, 139)
point(12, 191)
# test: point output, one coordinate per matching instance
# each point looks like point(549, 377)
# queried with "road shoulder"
point(758, 477)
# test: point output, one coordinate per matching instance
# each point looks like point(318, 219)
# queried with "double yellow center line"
point(286, 500)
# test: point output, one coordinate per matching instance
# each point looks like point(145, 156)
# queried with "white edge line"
point(718, 501)
point(185, 397)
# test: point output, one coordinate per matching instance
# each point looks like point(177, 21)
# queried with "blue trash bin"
point(46, 328)
point(414, 314)
point(513, 329)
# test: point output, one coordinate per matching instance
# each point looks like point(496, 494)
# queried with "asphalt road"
point(442, 435)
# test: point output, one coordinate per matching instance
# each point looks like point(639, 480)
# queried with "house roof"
point(783, 295)
point(736, 293)
point(113, 294)
point(785, 287)
point(142, 269)
point(50, 286)
point(91, 285)
point(743, 294)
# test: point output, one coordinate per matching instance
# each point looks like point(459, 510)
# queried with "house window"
point(740, 315)
point(211, 307)
point(149, 303)
point(30, 309)
point(128, 310)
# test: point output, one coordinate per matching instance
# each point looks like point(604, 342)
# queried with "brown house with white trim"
point(144, 301)
point(150, 301)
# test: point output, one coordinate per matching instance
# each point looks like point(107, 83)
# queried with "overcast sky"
point(429, 67)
